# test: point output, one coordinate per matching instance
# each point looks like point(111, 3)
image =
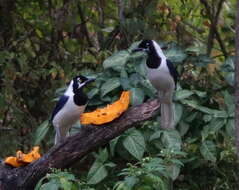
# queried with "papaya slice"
point(22, 159)
point(108, 113)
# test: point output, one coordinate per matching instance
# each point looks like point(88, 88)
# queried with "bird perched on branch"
point(69, 107)
point(163, 76)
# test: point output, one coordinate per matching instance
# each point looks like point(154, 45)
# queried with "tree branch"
point(74, 148)
point(121, 11)
point(83, 21)
point(101, 15)
point(213, 32)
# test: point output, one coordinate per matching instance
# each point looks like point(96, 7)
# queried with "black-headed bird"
point(163, 76)
point(69, 107)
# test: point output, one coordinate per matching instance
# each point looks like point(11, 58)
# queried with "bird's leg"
point(61, 133)
point(68, 133)
point(58, 134)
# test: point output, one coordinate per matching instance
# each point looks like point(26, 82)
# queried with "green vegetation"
point(44, 43)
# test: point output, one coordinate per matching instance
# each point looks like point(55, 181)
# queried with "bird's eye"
point(79, 80)
point(147, 44)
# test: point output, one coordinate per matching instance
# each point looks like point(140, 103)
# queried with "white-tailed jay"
point(69, 107)
point(163, 76)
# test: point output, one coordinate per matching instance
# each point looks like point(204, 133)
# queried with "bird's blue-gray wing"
point(60, 104)
point(173, 72)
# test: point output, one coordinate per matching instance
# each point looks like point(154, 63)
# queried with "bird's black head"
point(146, 46)
point(155, 53)
point(79, 82)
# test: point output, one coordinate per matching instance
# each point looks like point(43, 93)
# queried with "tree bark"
point(6, 21)
point(74, 148)
point(237, 86)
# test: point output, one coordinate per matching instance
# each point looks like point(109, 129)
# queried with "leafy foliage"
point(61, 180)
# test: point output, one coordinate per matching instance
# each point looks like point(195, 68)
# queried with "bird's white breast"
point(160, 78)
point(69, 114)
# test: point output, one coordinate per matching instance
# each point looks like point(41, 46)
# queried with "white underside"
point(65, 118)
point(160, 78)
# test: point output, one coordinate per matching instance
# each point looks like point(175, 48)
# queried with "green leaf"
point(183, 128)
point(103, 155)
point(156, 135)
point(65, 175)
point(229, 101)
point(108, 29)
point(71, 44)
point(194, 104)
point(203, 60)
point(123, 73)
point(201, 94)
point(214, 126)
point(130, 181)
point(148, 88)
point(230, 128)
point(135, 144)
point(205, 132)
point(230, 78)
point(178, 112)
point(220, 113)
point(140, 68)
point(194, 49)
point(124, 80)
point(191, 117)
point(39, 184)
point(208, 150)
point(39, 33)
point(173, 170)
point(137, 96)
point(215, 113)
point(172, 139)
point(109, 85)
point(228, 65)
point(207, 118)
point(113, 144)
point(176, 55)
point(50, 185)
point(125, 83)
point(65, 184)
point(110, 164)
point(191, 103)
point(205, 109)
point(133, 45)
point(182, 94)
point(41, 132)
point(121, 186)
point(135, 79)
point(97, 173)
point(92, 93)
point(225, 154)
point(117, 59)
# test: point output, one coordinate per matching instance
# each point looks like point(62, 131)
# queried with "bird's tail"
point(167, 115)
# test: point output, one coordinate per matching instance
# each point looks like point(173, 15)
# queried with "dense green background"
point(44, 43)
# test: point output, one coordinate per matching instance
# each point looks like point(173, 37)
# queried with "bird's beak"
point(140, 49)
point(90, 80)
